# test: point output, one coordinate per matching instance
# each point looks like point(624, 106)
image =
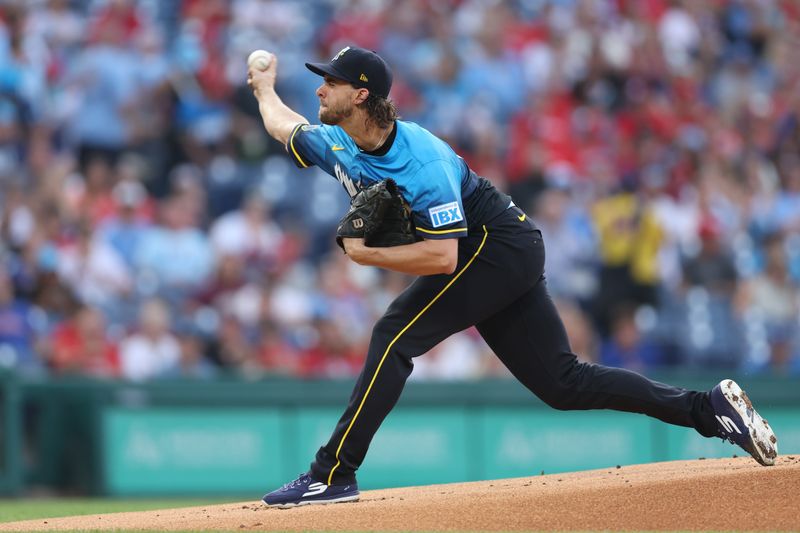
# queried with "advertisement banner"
point(173, 450)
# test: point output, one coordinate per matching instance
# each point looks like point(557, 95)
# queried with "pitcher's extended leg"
point(529, 337)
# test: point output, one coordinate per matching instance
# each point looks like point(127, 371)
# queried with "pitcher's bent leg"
point(375, 394)
point(430, 310)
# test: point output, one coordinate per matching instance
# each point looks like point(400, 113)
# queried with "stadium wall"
point(234, 437)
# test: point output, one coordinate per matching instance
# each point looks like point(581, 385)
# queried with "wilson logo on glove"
point(379, 215)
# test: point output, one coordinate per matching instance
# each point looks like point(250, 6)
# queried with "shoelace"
point(297, 482)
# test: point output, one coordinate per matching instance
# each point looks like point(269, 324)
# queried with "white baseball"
point(259, 59)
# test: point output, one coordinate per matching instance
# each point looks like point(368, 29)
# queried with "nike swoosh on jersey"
point(521, 217)
point(336, 147)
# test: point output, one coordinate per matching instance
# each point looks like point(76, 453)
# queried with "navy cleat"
point(306, 491)
point(740, 424)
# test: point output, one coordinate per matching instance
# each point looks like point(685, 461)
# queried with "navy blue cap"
point(362, 68)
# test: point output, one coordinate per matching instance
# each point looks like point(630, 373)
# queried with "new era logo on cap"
point(362, 68)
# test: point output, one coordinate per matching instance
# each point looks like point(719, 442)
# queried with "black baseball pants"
point(499, 287)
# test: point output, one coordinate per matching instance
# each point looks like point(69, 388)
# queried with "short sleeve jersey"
point(429, 174)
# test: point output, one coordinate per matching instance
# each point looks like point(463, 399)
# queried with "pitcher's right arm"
point(279, 120)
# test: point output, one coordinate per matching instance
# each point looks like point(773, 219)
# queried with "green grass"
point(12, 510)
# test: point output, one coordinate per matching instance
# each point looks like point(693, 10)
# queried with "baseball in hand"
point(259, 59)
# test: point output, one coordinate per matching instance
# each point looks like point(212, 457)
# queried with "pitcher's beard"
point(333, 116)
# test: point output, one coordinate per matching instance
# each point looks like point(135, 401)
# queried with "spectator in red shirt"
point(332, 355)
point(81, 345)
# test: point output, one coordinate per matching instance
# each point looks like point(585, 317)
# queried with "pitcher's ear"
point(361, 95)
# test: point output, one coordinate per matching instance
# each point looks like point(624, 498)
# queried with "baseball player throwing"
point(480, 262)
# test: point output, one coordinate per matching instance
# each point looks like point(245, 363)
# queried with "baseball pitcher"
point(418, 208)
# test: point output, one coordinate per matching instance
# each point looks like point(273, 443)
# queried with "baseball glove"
point(379, 215)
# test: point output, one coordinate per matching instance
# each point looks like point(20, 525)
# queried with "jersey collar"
point(386, 146)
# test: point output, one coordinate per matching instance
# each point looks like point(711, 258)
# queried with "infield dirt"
point(715, 494)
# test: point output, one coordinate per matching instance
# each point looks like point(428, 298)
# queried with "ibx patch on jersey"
point(442, 215)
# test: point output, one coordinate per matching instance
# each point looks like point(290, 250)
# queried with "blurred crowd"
point(151, 229)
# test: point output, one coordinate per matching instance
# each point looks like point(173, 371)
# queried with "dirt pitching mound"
point(719, 494)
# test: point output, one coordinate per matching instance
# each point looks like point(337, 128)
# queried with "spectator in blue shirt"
point(17, 330)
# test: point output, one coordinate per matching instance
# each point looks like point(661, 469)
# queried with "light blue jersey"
point(432, 178)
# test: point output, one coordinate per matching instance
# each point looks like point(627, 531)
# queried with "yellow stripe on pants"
point(380, 364)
